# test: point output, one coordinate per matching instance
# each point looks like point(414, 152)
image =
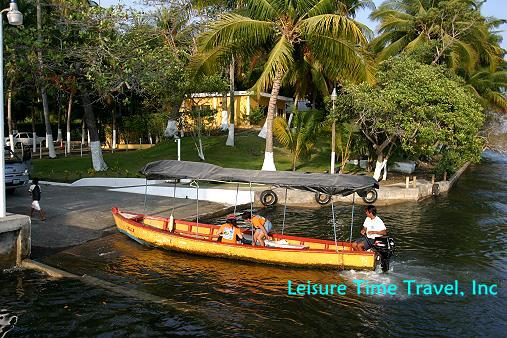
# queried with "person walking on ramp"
point(35, 193)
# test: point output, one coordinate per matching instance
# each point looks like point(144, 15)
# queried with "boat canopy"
point(338, 184)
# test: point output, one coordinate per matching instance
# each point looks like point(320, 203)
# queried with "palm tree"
point(300, 138)
point(455, 30)
point(314, 27)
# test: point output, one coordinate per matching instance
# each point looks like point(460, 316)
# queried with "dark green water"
point(462, 236)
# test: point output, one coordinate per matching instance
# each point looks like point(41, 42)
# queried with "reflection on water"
point(460, 236)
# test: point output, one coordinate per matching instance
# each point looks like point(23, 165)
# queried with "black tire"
point(370, 196)
point(322, 199)
point(268, 198)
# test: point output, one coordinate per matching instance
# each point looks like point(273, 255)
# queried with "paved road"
point(75, 215)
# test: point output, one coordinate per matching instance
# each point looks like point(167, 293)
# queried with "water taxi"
point(202, 239)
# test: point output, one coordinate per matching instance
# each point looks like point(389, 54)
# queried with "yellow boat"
point(201, 239)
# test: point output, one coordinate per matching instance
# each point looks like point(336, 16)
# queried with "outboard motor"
point(384, 246)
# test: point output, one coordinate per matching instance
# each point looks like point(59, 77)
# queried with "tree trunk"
point(294, 111)
point(333, 145)
point(230, 137)
point(379, 165)
point(59, 137)
point(49, 133)
point(69, 113)
point(225, 114)
point(96, 151)
point(45, 105)
point(83, 132)
point(9, 118)
point(200, 150)
point(269, 162)
point(345, 153)
point(34, 133)
point(113, 146)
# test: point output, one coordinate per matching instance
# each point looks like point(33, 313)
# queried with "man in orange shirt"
point(261, 224)
point(229, 232)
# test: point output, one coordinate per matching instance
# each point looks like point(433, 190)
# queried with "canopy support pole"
point(236, 203)
point(251, 213)
point(174, 197)
point(145, 192)
point(334, 227)
point(197, 220)
point(352, 219)
point(284, 210)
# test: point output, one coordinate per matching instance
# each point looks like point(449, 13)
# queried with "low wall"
point(131, 146)
point(15, 240)
point(445, 186)
point(299, 198)
point(387, 194)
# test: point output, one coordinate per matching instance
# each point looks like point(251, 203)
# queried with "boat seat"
point(283, 244)
point(133, 217)
point(193, 234)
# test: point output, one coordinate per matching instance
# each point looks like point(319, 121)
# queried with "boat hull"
point(200, 239)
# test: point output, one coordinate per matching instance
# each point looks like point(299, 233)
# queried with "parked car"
point(25, 139)
point(17, 169)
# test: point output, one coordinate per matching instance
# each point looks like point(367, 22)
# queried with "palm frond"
point(262, 9)
point(367, 32)
point(378, 43)
point(394, 48)
point(468, 55)
point(361, 4)
point(232, 28)
point(334, 26)
point(497, 99)
point(382, 14)
point(321, 7)
point(282, 132)
point(208, 62)
point(280, 59)
point(421, 39)
point(339, 56)
point(395, 24)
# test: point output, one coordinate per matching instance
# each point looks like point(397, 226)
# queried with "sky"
point(496, 8)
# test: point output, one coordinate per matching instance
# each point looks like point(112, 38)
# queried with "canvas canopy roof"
point(337, 184)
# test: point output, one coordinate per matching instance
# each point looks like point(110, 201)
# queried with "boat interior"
point(209, 232)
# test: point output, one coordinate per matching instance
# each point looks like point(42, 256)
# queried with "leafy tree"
point(197, 115)
point(42, 84)
point(84, 31)
point(423, 109)
point(282, 28)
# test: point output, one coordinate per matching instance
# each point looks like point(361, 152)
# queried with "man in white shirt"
point(372, 227)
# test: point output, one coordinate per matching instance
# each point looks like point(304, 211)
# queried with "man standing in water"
point(372, 227)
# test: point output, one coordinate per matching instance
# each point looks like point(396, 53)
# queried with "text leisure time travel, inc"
point(409, 287)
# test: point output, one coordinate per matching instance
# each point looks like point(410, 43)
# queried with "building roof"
point(241, 93)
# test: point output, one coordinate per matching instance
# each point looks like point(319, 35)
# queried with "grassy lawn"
point(248, 153)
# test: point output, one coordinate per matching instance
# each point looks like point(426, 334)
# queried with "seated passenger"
point(262, 227)
point(229, 232)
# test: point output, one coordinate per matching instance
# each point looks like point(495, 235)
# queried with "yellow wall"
point(240, 108)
